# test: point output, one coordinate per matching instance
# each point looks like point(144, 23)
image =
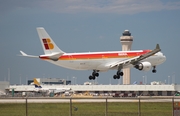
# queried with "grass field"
point(87, 109)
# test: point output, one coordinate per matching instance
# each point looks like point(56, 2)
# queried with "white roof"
point(103, 87)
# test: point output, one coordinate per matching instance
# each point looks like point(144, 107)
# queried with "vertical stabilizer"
point(37, 84)
point(48, 44)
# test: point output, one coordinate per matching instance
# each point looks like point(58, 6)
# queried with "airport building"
point(134, 90)
point(4, 85)
point(51, 81)
point(154, 89)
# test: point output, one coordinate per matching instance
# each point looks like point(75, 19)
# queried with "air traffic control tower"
point(126, 41)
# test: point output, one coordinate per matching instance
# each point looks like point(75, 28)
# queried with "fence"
point(140, 106)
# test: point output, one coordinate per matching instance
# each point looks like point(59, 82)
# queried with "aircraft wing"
point(135, 60)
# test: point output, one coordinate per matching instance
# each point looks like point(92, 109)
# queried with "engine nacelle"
point(145, 66)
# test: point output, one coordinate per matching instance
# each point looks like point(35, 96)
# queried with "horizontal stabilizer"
point(24, 54)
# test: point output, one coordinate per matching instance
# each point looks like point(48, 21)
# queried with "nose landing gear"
point(154, 69)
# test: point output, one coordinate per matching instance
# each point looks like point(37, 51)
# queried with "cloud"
point(92, 6)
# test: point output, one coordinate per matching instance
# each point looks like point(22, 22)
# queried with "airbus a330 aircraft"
point(39, 88)
point(142, 60)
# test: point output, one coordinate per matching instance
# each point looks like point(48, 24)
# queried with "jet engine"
point(145, 66)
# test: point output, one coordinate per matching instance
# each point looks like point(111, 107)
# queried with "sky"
point(83, 26)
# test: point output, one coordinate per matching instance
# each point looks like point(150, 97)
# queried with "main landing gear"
point(118, 74)
point(94, 75)
point(154, 69)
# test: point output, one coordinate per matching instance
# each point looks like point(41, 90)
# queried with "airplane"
point(39, 88)
point(142, 60)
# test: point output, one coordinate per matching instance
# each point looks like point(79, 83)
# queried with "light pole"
point(76, 80)
point(96, 80)
point(73, 80)
point(168, 80)
point(143, 80)
point(119, 81)
point(9, 75)
point(173, 78)
point(4, 78)
point(20, 79)
point(109, 81)
point(26, 80)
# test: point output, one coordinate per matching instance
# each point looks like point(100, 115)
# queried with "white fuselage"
point(57, 90)
point(101, 60)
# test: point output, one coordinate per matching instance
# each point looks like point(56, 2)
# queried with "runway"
point(85, 100)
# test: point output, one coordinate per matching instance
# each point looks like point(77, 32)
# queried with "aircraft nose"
point(164, 57)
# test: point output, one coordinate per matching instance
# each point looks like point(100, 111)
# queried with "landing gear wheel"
point(95, 74)
point(121, 74)
point(114, 76)
point(118, 76)
point(154, 71)
point(90, 77)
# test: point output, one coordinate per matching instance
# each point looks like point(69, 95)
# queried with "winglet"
point(158, 47)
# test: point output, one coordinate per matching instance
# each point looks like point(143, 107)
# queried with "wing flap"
point(124, 62)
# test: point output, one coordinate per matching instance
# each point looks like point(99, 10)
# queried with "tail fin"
point(48, 44)
point(37, 84)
